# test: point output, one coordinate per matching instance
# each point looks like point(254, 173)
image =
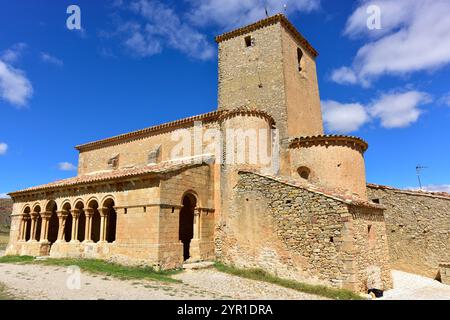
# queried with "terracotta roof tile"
point(161, 168)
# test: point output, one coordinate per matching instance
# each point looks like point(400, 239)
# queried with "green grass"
point(261, 275)
point(100, 267)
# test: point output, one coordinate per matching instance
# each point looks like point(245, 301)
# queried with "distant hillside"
point(5, 211)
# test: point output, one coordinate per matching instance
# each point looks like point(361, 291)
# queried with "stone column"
point(23, 228)
point(103, 223)
point(75, 222)
point(89, 212)
point(62, 215)
point(44, 227)
point(34, 217)
point(197, 219)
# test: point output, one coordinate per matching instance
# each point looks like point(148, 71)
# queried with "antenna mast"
point(419, 169)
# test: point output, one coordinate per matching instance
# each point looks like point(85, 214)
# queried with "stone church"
point(273, 192)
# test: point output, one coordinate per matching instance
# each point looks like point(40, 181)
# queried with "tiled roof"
point(349, 141)
point(157, 169)
point(267, 22)
point(444, 195)
point(335, 194)
point(246, 110)
point(210, 116)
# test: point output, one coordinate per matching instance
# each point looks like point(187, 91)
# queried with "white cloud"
point(15, 87)
point(160, 26)
point(344, 75)
point(343, 118)
point(45, 57)
point(3, 196)
point(415, 36)
point(66, 166)
point(445, 100)
point(398, 110)
point(14, 53)
point(432, 188)
point(157, 25)
point(228, 14)
point(3, 148)
point(393, 110)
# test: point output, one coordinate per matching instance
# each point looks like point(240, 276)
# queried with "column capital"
point(62, 214)
point(89, 212)
point(103, 211)
point(46, 214)
point(75, 212)
point(34, 215)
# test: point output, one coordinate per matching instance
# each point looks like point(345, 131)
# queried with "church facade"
point(255, 183)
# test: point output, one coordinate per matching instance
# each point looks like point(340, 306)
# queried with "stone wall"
point(298, 234)
point(418, 229)
point(5, 211)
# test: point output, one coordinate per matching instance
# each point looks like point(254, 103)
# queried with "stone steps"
point(197, 265)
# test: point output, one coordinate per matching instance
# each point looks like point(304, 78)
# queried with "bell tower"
point(270, 66)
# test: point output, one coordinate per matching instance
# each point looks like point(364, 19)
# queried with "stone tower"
point(271, 67)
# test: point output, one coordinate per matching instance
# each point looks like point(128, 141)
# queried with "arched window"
point(299, 59)
point(304, 172)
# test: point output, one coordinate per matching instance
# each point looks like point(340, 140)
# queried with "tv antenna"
point(419, 169)
point(265, 8)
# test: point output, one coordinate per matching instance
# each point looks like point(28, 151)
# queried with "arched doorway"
point(186, 227)
point(81, 221)
point(111, 220)
point(68, 223)
point(53, 224)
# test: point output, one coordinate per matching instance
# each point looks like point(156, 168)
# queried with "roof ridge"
point(433, 194)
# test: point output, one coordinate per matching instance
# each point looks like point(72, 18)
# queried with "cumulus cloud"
point(415, 36)
point(3, 196)
point(343, 118)
point(15, 88)
point(432, 188)
point(344, 75)
point(157, 25)
point(229, 14)
point(392, 110)
point(398, 110)
point(45, 57)
point(66, 166)
point(3, 148)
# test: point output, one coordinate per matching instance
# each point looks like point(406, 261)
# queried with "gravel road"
point(50, 283)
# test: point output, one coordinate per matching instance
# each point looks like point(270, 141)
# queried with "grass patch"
point(261, 275)
point(100, 267)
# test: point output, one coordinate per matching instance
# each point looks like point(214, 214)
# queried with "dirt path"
point(46, 282)
point(409, 286)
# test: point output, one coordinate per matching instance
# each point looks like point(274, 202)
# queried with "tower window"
point(299, 59)
point(304, 172)
point(248, 41)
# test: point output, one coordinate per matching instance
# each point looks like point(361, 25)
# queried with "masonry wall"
point(292, 233)
point(302, 89)
point(135, 152)
point(418, 229)
point(371, 253)
point(253, 76)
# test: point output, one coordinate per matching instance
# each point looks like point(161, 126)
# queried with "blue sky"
point(139, 63)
